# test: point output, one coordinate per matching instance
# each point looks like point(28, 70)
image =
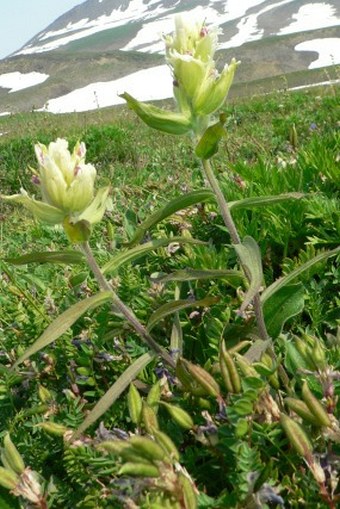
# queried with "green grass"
point(146, 169)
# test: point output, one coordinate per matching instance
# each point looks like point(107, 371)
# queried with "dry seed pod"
point(315, 406)
point(149, 418)
point(301, 409)
point(8, 479)
point(134, 404)
point(147, 448)
point(180, 416)
point(12, 455)
point(139, 469)
point(296, 436)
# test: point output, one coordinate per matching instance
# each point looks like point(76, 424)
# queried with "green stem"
point(124, 310)
point(235, 238)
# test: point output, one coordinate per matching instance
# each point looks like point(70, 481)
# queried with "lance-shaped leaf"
point(286, 280)
point(208, 144)
point(173, 206)
point(250, 256)
point(67, 257)
point(264, 201)
point(133, 254)
point(163, 120)
point(115, 391)
point(282, 305)
point(64, 321)
point(233, 277)
point(178, 305)
point(41, 210)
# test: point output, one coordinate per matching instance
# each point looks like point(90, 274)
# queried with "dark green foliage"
point(237, 451)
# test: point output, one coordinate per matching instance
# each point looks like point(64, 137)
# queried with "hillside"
point(101, 42)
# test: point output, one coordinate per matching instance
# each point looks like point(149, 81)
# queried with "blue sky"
point(20, 20)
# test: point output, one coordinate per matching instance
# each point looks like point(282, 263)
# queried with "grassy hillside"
point(94, 59)
point(232, 446)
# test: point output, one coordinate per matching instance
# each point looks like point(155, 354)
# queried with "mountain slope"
point(105, 40)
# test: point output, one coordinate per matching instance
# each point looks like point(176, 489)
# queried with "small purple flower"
point(35, 180)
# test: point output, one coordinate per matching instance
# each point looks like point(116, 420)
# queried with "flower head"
point(190, 53)
point(66, 183)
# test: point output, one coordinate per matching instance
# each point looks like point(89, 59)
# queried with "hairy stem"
point(235, 238)
point(124, 310)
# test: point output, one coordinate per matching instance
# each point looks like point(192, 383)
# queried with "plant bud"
point(202, 378)
point(315, 406)
point(44, 394)
point(134, 404)
point(301, 409)
point(165, 441)
point(147, 448)
point(154, 396)
point(296, 436)
point(139, 470)
point(245, 366)
point(319, 357)
point(149, 418)
point(293, 137)
point(180, 416)
point(53, 428)
point(114, 446)
point(229, 371)
point(12, 455)
point(8, 479)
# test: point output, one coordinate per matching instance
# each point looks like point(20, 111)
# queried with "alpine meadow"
point(169, 292)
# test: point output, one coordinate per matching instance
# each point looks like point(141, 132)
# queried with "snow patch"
point(149, 84)
point(18, 81)
point(328, 49)
point(320, 84)
point(310, 17)
point(248, 28)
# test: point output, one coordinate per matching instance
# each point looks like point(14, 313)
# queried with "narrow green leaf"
point(133, 254)
point(263, 201)
point(63, 322)
point(234, 277)
point(282, 305)
point(178, 305)
point(163, 120)
point(250, 256)
point(68, 257)
point(115, 391)
point(285, 280)
point(173, 206)
point(208, 144)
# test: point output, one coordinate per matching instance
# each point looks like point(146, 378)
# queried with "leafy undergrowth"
point(235, 449)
